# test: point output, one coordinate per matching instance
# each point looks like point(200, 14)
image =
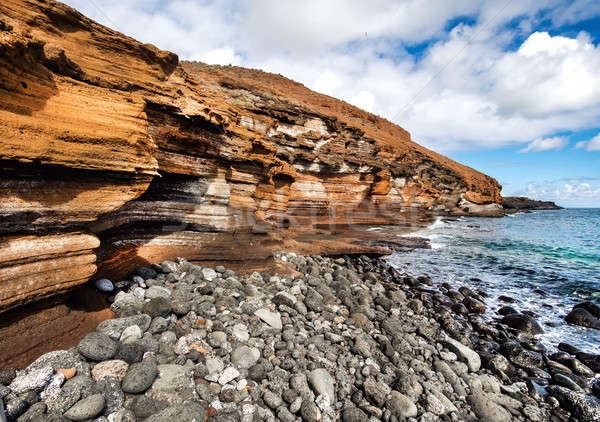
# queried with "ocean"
point(557, 252)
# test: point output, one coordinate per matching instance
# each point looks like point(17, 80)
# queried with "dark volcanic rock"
point(591, 307)
point(474, 305)
point(523, 323)
point(523, 203)
point(97, 346)
point(585, 408)
point(582, 317)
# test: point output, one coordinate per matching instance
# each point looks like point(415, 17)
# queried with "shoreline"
point(346, 338)
point(550, 306)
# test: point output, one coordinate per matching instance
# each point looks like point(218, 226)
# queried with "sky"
point(509, 87)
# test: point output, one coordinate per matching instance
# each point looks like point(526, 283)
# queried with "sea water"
point(557, 252)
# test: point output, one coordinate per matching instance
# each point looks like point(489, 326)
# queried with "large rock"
point(583, 317)
point(174, 385)
point(114, 327)
point(244, 357)
point(86, 408)
point(322, 383)
point(486, 409)
point(139, 377)
point(401, 406)
point(271, 318)
point(97, 346)
point(523, 323)
point(585, 408)
point(31, 380)
point(469, 356)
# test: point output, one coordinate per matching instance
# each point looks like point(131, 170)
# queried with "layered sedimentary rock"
point(114, 154)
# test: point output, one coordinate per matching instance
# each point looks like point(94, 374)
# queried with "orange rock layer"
point(114, 154)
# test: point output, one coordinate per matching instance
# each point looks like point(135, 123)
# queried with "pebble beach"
point(346, 338)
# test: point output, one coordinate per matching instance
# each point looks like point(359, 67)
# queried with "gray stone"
point(465, 354)
point(146, 273)
point(401, 406)
point(244, 357)
point(214, 365)
point(434, 405)
point(154, 292)
point(114, 327)
point(216, 338)
point(145, 407)
point(271, 318)
point(354, 414)
point(97, 346)
point(375, 391)
point(113, 395)
point(34, 414)
point(86, 408)
point(486, 409)
point(272, 400)
point(168, 267)
point(240, 333)
point(309, 411)
point(7, 375)
point(186, 412)
point(284, 298)
point(322, 383)
point(228, 375)
point(139, 377)
point(174, 385)
point(158, 306)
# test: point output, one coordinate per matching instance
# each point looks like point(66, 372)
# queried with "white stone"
point(131, 334)
point(229, 374)
point(214, 365)
point(271, 318)
point(467, 355)
point(32, 380)
point(240, 333)
point(241, 384)
point(209, 274)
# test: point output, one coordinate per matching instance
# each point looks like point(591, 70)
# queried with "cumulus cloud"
point(591, 145)
point(468, 86)
point(572, 192)
point(546, 144)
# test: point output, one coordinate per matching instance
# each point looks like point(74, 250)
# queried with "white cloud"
point(327, 82)
point(591, 145)
point(225, 55)
point(573, 192)
point(548, 75)
point(464, 91)
point(364, 100)
point(546, 144)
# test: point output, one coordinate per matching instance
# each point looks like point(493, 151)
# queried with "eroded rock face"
point(114, 154)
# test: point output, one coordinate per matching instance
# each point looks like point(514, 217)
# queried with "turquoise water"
point(554, 251)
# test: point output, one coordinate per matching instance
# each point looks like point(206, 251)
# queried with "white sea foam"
point(436, 224)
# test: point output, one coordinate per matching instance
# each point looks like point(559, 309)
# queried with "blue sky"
point(509, 87)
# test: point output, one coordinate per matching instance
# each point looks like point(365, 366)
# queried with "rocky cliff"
point(114, 154)
point(521, 203)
